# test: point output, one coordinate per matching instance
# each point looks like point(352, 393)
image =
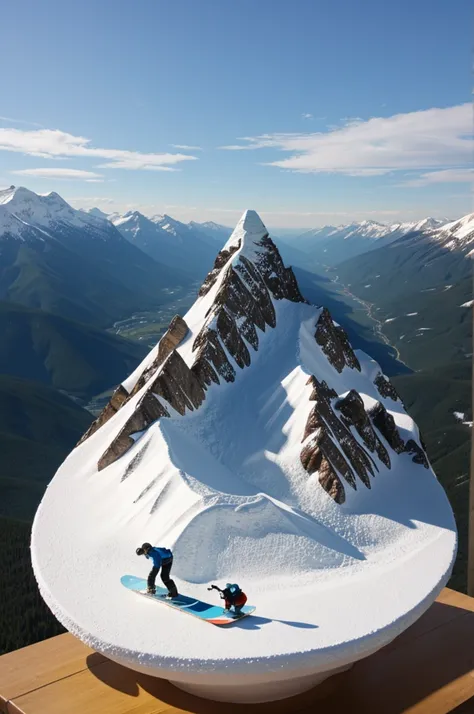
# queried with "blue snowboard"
point(204, 611)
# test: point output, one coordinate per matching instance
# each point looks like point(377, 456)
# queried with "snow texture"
point(373, 231)
point(25, 215)
point(224, 487)
point(460, 416)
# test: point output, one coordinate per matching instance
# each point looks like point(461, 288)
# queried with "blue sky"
point(329, 110)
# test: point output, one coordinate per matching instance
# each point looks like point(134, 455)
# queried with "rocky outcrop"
point(331, 482)
point(242, 304)
point(385, 423)
point(173, 336)
point(280, 280)
point(178, 385)
point(333, 450)
point(321, 455)
point(385, 388)
point(211, 359)
point(257, 288)
point(353, 414)
point(336, 431)
point(118, 398)
point(148, 410)
point(174, 386)
point(219, 263)
point(419, 455)
point(334, 343)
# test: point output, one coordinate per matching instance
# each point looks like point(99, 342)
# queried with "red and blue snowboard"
point(204, 611)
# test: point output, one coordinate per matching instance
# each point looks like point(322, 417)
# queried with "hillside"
point(431, 328)
point(331, 245)
point(38, 426)
point(172, 243)
point(74, 264)
point(415, 262)
point(64, 354)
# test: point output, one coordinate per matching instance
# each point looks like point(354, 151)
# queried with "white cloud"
point(443, 176)
point(55, 144)
point(186, 147)
point(433, 138)
point(88, 176)
point(91, 201)
point(246, 147)
point(19, 121)
point(306, 116)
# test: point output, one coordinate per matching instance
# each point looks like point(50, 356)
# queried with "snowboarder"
point(162, 558)
point(233, 596)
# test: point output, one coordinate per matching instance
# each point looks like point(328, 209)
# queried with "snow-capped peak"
point(460, 228)
point(128, 217)
point(22, 210)
point(169, 224)
point(97, 213)
point(369, 224)
point(249, 229)
point(426, 224)
point(17, 195)
point(132, 222)
point(457, 235)
point(209, 227)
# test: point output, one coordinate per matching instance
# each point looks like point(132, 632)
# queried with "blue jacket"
point(158, 555)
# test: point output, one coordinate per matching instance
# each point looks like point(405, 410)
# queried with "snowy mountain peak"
point(249, 228)
point(457, 235)
point(54, 199)
point(171, 225)
point(364, 224)
point(209, 226)
point(17, 195)
point(461, 227)
point(97, 213)
point(23, 213)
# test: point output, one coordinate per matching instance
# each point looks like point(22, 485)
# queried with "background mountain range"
point(84, 295)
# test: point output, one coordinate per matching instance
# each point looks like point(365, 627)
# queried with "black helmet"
point(144, 548)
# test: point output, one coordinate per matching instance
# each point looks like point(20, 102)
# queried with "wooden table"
point(429, 669)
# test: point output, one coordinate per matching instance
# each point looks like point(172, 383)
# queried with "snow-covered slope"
point(262, 449)
point(365, 229)
point(332, 245)
point(456, 235)
point(22, 209)
point(134, 223)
